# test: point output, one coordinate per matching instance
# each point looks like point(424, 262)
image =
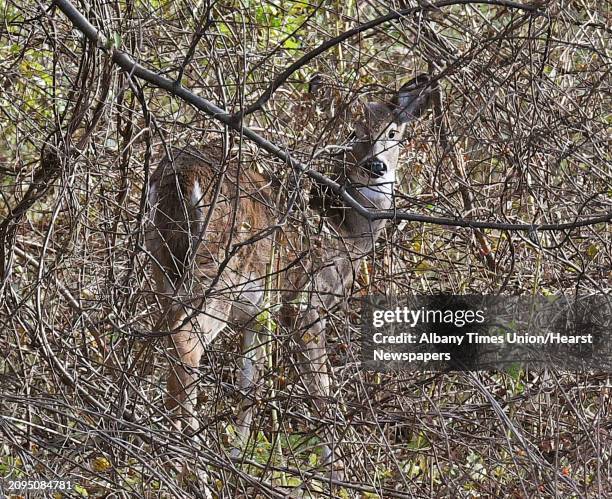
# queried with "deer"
point(212, 225)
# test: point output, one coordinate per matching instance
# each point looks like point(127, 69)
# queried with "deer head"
point(368, 168)
point(379, 128)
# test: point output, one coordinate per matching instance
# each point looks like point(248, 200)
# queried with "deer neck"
point(357, 234)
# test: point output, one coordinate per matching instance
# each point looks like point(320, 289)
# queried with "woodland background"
point(521, 134)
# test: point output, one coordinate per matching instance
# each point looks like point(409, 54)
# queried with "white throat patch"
point(380, 191)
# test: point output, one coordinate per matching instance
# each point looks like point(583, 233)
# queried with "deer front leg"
point(311, 340)
point(253, 356)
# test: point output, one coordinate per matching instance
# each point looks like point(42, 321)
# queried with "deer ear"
point(324, 94)
point(412, 99)
point(315, 84)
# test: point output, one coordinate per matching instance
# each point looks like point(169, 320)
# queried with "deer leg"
point(253, 356)
point(311, 340)
point(187, 345)
point(181, 387)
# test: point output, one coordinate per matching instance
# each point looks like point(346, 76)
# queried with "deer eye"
point(392, 133)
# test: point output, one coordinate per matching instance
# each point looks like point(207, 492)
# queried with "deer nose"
point(377, 167)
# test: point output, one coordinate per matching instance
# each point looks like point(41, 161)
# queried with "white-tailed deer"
point(209, 241)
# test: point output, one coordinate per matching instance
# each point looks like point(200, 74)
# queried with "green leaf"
point(291, 43)
point(82, 491)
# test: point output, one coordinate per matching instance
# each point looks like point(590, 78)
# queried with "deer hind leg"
point(192, 332)
point(181, 395)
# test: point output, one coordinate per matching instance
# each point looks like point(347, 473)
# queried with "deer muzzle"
point(376, 167)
